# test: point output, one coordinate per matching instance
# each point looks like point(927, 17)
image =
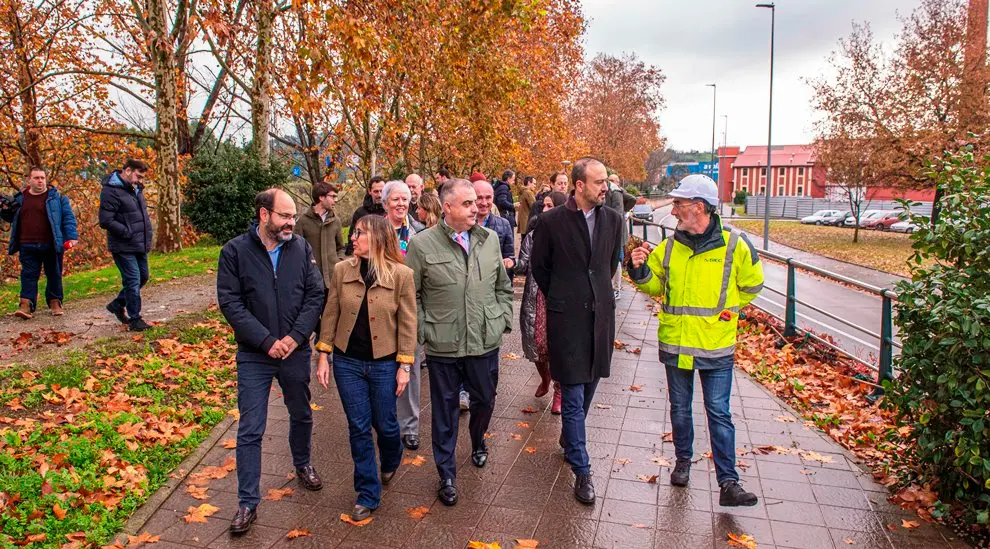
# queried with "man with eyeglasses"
point(321, 227)
point(271, 292)
point(706, 274)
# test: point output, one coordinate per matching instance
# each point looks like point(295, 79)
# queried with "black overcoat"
point(576, 278)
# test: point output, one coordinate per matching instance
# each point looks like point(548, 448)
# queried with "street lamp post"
point(712, 169)
point(766, 203)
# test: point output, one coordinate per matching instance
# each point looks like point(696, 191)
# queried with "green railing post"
point(790, 312)
point(630, 226)
point(886, 340)
point(645, 236)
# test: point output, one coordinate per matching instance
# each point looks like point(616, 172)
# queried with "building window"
point(780, 191)
point(763, 190)
point(780, 171)
point(800, 171)
point(763, 172)
point(745, 171)
point(800, 190)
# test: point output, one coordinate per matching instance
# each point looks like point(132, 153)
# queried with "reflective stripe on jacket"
point(721, 275)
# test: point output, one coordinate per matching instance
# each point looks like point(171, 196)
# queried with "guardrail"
point(884, 368)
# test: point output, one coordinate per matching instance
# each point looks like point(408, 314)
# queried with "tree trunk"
point(261, 98)
point(162, 55)
point(31, 146)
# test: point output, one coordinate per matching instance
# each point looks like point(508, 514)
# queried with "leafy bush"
point(740, 197)
point(221, 189)
point(632, 189)
point(944, 319)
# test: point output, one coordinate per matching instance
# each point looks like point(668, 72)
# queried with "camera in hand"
point(7, 202)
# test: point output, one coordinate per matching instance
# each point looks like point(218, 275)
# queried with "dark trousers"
point(367, 392)
point(477, 374)
point(34, 258)
point(574, 406)
point(716, 386)
point(133, 275)
point(254, 385)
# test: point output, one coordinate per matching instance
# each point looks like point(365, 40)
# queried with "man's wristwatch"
point(406, 368)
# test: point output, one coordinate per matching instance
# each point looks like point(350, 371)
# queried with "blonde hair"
point(430, 208)
point(383, 248)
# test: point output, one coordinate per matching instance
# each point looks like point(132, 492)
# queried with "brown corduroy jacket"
point(391, 311)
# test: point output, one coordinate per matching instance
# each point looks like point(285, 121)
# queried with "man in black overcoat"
point(575, 253)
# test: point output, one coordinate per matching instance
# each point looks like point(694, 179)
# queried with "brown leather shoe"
point(309, 478)
point(24, 311)
point(242, 520)
point(387, 477)
point(55, 306)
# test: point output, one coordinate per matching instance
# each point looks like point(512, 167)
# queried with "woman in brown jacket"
point(369, 325)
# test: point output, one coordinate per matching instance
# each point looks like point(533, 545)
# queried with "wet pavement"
point(821, 500)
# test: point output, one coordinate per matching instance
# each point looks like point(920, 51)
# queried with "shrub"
point(740, 197)
point(221, 190)
point(944, 319)
point(632, 189)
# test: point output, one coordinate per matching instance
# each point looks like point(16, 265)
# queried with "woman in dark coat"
point(532, 310)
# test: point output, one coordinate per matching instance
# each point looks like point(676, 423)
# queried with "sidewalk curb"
point(143, 514)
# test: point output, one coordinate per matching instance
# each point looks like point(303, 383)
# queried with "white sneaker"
point(465, 400)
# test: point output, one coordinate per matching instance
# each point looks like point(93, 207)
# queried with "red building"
point(794, 172)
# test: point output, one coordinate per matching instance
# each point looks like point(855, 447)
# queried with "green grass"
point(192, 261)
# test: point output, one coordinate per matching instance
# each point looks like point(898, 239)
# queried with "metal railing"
point(884, 367)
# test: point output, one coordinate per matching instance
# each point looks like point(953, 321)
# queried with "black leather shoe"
point(242, 520)
point(733, 495)
point(681, 473)
point(584, 490)
point(447, 492)
point(479, 457)
point(118, 312)
point(411, 442)
point(387, 477)
point(309, 478)
point(137, 325)
point(360, 513)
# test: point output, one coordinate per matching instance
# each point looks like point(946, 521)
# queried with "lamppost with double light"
point(766, 203)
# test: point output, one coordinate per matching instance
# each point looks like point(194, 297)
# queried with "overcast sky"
point(727, 42)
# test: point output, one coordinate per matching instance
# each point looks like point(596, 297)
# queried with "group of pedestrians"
point(43, 227)
point(427, 279)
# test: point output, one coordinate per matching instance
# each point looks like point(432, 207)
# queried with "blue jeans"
point(716, 385)
point(367, 392)
point(575, 401)
point(34, 258)
point(134, 275)
point(254, 386)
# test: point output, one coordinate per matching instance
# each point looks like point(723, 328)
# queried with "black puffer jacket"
point(263, 304)
point(124, 215)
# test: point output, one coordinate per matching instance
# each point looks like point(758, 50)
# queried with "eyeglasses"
point(294, 217)
point(356, 233)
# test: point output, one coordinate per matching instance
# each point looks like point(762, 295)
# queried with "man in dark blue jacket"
point(271, 292)
point(42, 228)
point(124, 215)
point(503, 197)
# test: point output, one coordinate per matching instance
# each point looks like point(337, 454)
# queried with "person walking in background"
point(464, 306)
point(558, 184)
point(532, 309)
point(369, 326)
point(429, 211)
point(395, 197)
point(415, 184)
point(621, 201)
point(707, 274)
point(321, 227)
point(270, 291)
point(441, 177)
point(42, 227)
point(527, 198)
point(503, 197)
point(124, 216)
point(575, 253)
point(372, 205)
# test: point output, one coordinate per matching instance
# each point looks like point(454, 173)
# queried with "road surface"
point(859, 308)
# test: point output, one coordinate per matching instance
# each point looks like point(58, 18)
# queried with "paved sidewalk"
point(525, 493)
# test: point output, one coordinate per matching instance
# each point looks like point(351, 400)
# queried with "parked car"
point(883, 221)
point(642, 212)
point(838, 218)
point(865, 216)
point(905, 226)
point(818, 218)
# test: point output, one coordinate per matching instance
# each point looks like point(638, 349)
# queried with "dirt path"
point(25, 341)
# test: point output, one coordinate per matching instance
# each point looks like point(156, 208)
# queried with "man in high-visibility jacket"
point(705, 274)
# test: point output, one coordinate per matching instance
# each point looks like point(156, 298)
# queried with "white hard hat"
point(697, 186)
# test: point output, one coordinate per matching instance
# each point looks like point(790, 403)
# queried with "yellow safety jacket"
point(704, 283)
